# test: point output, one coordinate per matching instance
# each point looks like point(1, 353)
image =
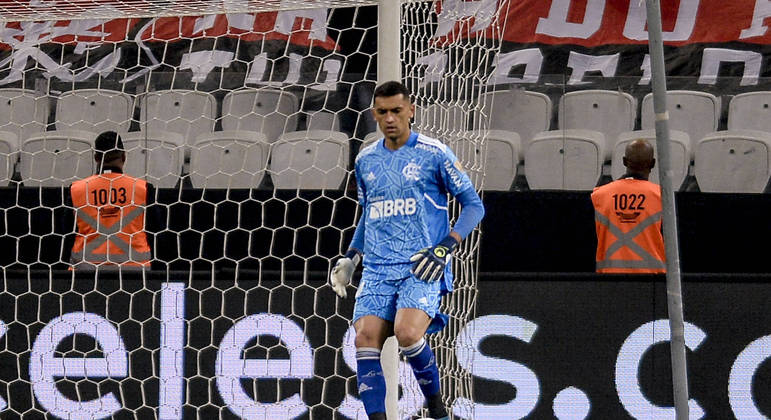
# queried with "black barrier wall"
point(540, 347)
point(532, 231)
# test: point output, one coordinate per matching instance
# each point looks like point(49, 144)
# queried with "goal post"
point(246, 117)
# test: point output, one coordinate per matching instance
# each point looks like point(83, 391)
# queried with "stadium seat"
point(56, 158)
point(733, 161)
point(268, 111)
point(693, 112)
point(94, 110)
point(156, 157)
point(229, 159)
point(496, 154)
point(371, 138)
point(750, 111)
point(521, 111)
point(679, 155)
point(315, 159)
point(565, 160)
point(609, 112)
point(189, 113)
point(9, 149)
point(437, 120)
point(322, 120)
point(23, 112)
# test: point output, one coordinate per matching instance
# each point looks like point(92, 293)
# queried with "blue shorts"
point(383, 298)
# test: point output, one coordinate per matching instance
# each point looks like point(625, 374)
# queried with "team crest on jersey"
point(411, 172)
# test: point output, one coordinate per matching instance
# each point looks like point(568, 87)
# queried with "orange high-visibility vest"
point(627, 216)
point(110, 212)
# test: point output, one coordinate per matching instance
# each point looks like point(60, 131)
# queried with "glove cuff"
point(449, 242)
point(354, 255)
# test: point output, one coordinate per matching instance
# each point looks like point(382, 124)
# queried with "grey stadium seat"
point(189, 113)
point(94, 110)
point(733, 161)
point(565, 160)
point(229, 159)
point(750, 111)
point(23, 112)
point(268, 111)
point(322, 120)
point(679, 155)
point(438, 120)
point(524, 112)
point(315, 159)
point(496, 154)
point(9, 151)
point(155, 157)
point(609, 112)
point(56, 158)
point(693, 112)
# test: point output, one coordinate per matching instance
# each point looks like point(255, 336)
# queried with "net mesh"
point(247, 124)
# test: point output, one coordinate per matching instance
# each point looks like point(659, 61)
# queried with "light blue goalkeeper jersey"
point(404, 197)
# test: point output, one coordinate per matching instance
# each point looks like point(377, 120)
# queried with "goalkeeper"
point(405, 238)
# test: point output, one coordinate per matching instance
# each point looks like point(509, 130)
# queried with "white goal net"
point(245, 116)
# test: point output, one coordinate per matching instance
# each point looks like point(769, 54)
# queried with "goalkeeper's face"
point(393, 114)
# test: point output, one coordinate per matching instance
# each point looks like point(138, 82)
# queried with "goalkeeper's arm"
point(428, 263)
point(342, 272)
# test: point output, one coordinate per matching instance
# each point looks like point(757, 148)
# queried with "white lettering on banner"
point(471, 358)
point(454, 11)
point(713, 57)
point(410, 401)
point(231, 368)
point(44, 367)
point(201, 63)
point(582, 63)
point(637, 19)
point(759, 15)
point(318, 17)
point(646, 69)
point(532, 58)
point(395, 207)
point(172, 355)
point(628, 367)
point(740, 379)
point(435, 65)
point(556, 23)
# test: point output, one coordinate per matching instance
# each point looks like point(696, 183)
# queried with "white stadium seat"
point(56, 158)
point(94, 110)
point(750, 111)
point(733, 161)
point(23, 112)
point(524, 112)
point(268, 111)
point(9, 151)
point(609, 112)
point(679, 155)
point(496, 154)
point(315, 159)
point(322, 120)
point(693, 112)
point(229, 159)
point(189, 113)
point(565, 160)
point(156, 157)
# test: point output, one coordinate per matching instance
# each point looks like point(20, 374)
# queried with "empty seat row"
point(313, 159)
point(185, 112)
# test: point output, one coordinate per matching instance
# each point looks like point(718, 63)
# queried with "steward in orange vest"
point(110, 212)
point(627, 217)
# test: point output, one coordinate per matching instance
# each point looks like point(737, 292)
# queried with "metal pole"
point(389, 67)
point(674, 294)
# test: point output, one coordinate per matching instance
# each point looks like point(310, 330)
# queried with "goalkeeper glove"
point(428, 263)
point(342, 272)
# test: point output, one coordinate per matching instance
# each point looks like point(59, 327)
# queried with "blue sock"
point(372, 386)
point(424, 367)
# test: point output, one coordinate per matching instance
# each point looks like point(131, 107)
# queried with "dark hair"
point(108, 146)
point(392, 88)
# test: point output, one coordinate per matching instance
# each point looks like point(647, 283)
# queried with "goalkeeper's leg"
point(410, 327)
